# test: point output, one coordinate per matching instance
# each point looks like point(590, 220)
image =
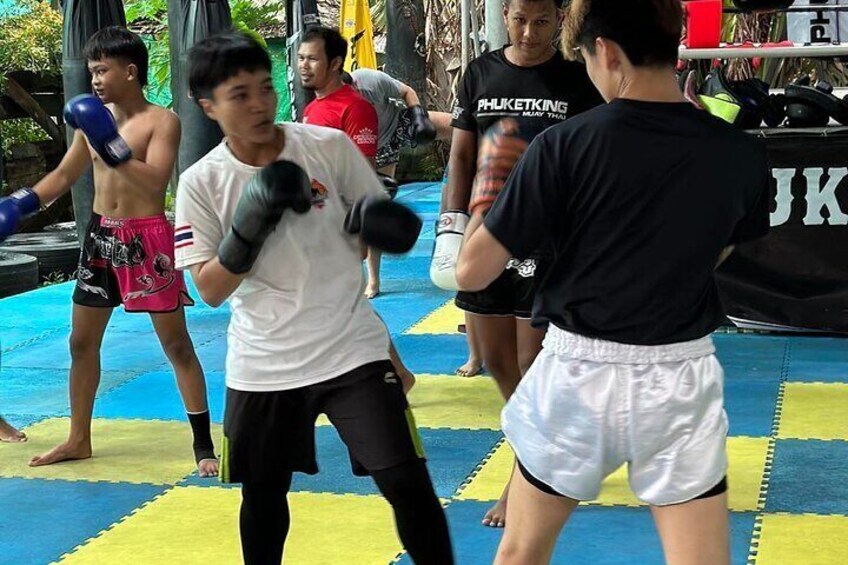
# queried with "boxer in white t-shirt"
point(269, 221)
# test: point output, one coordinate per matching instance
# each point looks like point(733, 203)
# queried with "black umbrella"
point(83, 18)
point(196, 20)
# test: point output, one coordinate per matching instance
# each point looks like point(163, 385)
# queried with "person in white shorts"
point(637, 208)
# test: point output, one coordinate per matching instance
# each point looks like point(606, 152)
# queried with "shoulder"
point(313, 138)
point(359, 105)
point(163, 117)
point(205, 169)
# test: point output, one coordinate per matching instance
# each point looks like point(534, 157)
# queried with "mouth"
point(264, 124)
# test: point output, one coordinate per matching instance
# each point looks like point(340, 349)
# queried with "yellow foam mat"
point(443, 320)
point(130, 451)
point(803, 538)
point(448, 401)
point(747, 459)
point(814, 411)
point(190, 525)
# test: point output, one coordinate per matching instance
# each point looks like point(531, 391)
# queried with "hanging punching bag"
point(82, 19)
point(300, 16)
point(406, 47)
point(197, 20)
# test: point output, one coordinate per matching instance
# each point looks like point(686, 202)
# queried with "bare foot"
point(372, 291)
point(207, 468)
point(63, 452)
point(470, 368)
point(9, 433)
point(496, 516)
point(407, 380)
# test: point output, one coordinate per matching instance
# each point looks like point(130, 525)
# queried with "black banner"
point(797, 276)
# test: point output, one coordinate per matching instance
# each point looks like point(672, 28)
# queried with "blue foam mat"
point(809, 476)
point(45, 391)
point(593, 536)
point(155, 396)
point(56, 516)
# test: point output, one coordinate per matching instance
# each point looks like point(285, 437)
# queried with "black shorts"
point(389, 153)
point(511, 294)
point(267, 434)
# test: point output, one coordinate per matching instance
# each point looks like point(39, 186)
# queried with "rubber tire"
point(61, 227)
point(18, 273)
point(56, 251)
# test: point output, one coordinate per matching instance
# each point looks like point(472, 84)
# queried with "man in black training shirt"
point(640, 209)
point(531, 81)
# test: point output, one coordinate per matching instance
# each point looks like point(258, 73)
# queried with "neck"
point(329, 88)
point(651, 85)
point(132, 104)
point(515, 57)
point(258, 154)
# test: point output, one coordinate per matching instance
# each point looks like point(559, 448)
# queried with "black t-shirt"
point(637, 200)
point(493, 88)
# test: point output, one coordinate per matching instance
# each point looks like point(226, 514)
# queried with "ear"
point(607, 53)
point(208, 108)
point(132, 72)
point(337, 64)
point(506, 13)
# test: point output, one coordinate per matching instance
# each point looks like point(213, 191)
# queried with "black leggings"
point(420, 519)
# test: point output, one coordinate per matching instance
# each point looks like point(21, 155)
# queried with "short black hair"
point(118, 42)
point(647, 30)
point(220, 57)
point(334, 44)
point(557, 3)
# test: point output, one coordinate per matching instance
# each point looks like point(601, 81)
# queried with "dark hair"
point(347, 78)
point(557, 3)
point(647, 30)
point(220, 57)
point(118, 42)
point(334, 44)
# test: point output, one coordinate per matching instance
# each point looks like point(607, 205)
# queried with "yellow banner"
point(357, 29)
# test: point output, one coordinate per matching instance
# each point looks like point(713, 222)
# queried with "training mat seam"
point(754, 547)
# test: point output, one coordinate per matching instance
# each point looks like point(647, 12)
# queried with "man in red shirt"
point(337, 105)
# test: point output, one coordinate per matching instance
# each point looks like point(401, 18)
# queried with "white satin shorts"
point(587, 406)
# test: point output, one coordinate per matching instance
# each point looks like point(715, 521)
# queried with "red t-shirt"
point(349, 111)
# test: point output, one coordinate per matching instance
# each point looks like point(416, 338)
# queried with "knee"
point(498, 364)
point(512, 553)
point(82, 345)
point(179, 349)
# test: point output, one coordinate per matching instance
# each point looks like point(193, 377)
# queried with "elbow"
point(210, 296)
point(211, 299)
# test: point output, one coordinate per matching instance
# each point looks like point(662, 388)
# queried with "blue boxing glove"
point(18, 206)
point(88, 113)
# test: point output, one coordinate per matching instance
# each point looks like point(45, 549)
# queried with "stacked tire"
point(18, 273)
point(57, 252)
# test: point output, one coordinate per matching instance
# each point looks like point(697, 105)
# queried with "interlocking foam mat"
point(139, 499)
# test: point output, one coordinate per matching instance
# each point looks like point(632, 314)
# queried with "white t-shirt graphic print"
point(300, 316)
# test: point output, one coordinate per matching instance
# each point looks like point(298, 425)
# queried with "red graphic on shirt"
point(319, 194)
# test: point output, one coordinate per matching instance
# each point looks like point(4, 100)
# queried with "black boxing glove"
point(279, 186)
point(383, 224)
point(421, 129)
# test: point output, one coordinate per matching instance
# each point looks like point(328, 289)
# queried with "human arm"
point(517, 222)
point(153, 174)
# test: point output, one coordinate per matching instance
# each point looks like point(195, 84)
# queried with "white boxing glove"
point(449, 232)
